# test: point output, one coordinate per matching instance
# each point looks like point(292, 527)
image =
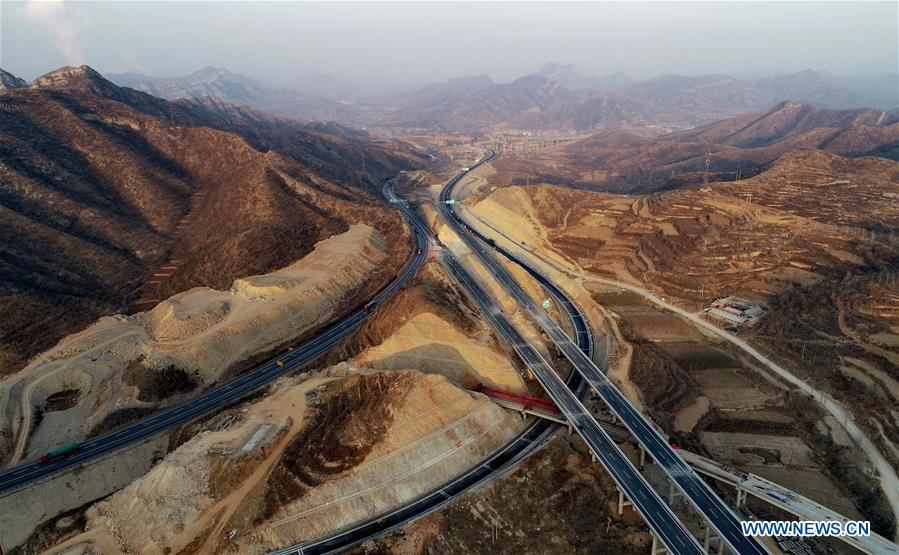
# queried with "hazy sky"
point(380, 44)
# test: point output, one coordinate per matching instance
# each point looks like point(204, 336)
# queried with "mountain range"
point(555, 97)
point(560, 97)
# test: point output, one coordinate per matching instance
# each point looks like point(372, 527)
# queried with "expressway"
point(788, 500)
point(653, 509)
point(498, 463)
point(655, 512)
point(697, 492)
point(223, 394)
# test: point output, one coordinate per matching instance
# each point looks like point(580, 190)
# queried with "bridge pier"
point(622, 502)
point(642, 456)
point(657, 547)
point(712, 537)
point(673, 493)
point(741, 497)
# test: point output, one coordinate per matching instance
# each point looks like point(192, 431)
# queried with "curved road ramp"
point(719, 516)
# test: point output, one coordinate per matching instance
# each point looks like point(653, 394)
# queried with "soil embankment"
point(130, 364)
point(316, 455)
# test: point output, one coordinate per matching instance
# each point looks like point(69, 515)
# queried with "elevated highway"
point(719, 516)
point(501, 461)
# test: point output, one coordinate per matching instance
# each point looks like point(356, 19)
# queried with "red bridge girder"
point(526, 401)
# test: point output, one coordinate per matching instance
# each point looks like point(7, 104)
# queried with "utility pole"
point(708, 164)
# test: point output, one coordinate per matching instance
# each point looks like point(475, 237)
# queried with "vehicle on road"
point(63, 451)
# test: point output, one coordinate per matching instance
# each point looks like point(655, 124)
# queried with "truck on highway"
point(63, 451)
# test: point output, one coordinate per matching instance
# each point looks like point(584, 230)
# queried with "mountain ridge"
point(103, 187)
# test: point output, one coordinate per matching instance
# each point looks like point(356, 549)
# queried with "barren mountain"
point(222, 85)
point(571, 78)
point(532, 102)
point(792, 119)
point(744, 145)
point(9, 81)
point(722, 95)
point(110, 196)
point(560, 97)
point(555, 97)
point(213, 82)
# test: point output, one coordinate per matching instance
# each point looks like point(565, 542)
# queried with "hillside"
point(123, 366)
point(792, 119)
point(111, 197)
point(741, 146)
point(356, 434)
point(814, 239)
point(9, 81)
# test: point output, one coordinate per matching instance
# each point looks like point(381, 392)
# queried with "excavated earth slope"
point(185, 343)
point(318, 454)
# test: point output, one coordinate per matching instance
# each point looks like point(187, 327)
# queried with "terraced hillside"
point(809, 217)
point(814, 239)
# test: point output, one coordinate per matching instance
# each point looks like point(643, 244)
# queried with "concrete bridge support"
point(673, 493)
point(741, 497)
point(710, 538)
point(623, 502)
point(657, 547)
